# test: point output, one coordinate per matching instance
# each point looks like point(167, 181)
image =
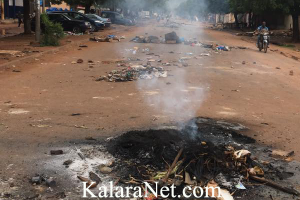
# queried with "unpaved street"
point(53, 103)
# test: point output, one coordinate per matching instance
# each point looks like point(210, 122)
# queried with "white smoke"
point(178, 100)
point(175, 97)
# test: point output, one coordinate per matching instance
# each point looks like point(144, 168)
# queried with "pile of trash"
point(147, 39)
point(170, 38)
point(185, 158)
point(107, 38)
point(134, 72)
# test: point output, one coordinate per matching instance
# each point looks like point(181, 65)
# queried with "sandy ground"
point(242, 85)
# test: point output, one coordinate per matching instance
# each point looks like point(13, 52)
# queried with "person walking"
point(20, 19)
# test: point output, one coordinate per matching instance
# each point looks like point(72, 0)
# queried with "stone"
point(104, 169)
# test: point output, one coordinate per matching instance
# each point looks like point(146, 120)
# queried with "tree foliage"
point(53, 32)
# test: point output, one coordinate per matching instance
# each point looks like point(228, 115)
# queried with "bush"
point(53, 32)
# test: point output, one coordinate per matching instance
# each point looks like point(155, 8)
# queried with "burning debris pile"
point(134, 72)
point(212, 157)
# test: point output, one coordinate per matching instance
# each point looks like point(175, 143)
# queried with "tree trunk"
point(88, 5)
point(296, 31)
point(27, 21)
point(236, 20)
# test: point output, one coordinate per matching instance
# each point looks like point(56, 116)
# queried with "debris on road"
point(68, 162)
point(282, 154)
point(172, 38)
point(223, 48)
point(146, 39)
point(107, 38)
point(204, 54)
point(94, 177)
point(50, 182)
point(89, 182)
point(36, 180)
point(56, 152)
point(134, 72)
point(83, 46)
point(176, 157)
point(75, 114)
point(104, 169)
point(79, 61)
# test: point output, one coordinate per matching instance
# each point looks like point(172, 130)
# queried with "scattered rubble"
point(182, 157)
point(147, 39)
point(104, 169)
point(56, 152)
point(282, 154)
point(107, 38)
point(79, 61)
point(134, 72)
point(172, 38)
point(68, 162)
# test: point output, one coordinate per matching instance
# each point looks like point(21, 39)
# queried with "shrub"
point(53, 32)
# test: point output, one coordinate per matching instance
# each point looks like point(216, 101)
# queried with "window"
point(56, 17)
point(105, 15)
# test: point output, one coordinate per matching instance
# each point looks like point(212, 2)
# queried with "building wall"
point(288, 22)
point(12, 8)
point(63, 6)
point(17, 3)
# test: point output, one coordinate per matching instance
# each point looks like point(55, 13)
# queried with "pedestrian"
point(20, 18)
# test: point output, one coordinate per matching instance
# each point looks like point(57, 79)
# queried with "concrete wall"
point(63, 6)
point(288, 22)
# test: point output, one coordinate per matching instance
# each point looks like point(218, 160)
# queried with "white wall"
point(17, 2)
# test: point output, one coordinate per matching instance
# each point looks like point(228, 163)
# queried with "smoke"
point(178, 100)
point(175, 97)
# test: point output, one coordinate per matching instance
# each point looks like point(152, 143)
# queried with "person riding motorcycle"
point(261, 29)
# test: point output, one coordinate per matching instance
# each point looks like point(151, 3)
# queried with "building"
point(13, 7)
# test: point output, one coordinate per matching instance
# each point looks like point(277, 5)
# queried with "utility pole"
point(2, 9)
point(37, 21)
point(44, 6)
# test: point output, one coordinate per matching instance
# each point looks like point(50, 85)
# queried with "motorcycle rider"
point(263, 27)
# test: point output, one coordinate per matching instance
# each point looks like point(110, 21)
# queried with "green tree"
point(291, 7)
point(260, 7)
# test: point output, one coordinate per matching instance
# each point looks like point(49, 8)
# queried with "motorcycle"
point(263, 43)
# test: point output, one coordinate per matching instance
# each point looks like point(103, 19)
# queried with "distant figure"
point(261, 28)
point(20, 18)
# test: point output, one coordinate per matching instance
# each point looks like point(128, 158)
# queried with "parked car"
point(116, 18)
point(95, 24)
point(106, 21)
point(68, 24)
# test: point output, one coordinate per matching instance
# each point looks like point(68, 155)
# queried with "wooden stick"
point(275, 185)
point(173, 165)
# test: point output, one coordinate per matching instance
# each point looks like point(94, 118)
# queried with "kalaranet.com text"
point(140, 192)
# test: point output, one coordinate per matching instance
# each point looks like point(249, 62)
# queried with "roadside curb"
point(14, 62)
point(9, 21)
point(55, 50)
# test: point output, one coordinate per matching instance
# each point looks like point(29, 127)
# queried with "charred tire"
point(77, 29)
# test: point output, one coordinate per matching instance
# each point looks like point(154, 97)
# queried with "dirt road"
point(242, 85)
